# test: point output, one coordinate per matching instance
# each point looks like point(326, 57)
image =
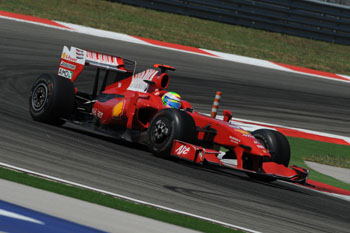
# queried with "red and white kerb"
point(215, 107)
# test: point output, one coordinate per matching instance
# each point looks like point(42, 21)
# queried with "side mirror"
point(227, 115)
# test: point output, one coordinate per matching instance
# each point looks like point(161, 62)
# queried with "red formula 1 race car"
point(137, 108)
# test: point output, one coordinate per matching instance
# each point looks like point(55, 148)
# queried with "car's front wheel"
point(278, 147)
point(276, 143)
point(168, 125)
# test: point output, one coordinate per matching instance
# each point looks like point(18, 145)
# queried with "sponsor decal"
point(72, 59)
point(182, 150)
point(74, 55)
point(234, 140)
point(118, 109)
point(67, 65)
point(65, 73)
point(248, 135)
point(258, 144)
point(242, 131)
point(97, 113)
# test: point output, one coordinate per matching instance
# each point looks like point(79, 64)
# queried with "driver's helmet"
point(172, 100)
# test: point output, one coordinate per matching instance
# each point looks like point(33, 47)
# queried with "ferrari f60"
point(133, 107)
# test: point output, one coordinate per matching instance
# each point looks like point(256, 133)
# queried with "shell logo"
point(64, 55)
point(118, 109)
point(242, 131)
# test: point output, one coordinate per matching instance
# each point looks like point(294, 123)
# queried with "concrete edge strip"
point(124, 197)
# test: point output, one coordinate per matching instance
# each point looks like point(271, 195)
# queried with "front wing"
point(199, 155)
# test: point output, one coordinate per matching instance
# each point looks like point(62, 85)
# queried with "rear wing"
point(74, 59)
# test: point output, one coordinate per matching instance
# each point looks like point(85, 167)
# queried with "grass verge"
point(112, 202)
point(189, 31)
point(315, 151)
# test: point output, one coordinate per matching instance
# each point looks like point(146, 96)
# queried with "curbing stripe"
point(175, 46)
point(311, 71)
point(32, 19)
point(281, 67)
point(125, 197)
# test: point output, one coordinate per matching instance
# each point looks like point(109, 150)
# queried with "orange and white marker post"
point(215, 107)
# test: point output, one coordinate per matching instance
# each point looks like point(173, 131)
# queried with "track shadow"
point(212, 169)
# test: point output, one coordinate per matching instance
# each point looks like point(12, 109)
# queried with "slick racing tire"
point(51, 99)
point(276, 143)
point(166, 126)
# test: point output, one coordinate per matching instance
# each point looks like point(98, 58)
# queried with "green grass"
point(189, 31)
point(112, 202)
point(316, 151)
point(330, 159)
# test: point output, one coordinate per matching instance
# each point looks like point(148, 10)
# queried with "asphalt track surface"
point(250, 92)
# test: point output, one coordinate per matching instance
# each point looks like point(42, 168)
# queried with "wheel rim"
point(160, 132)
point(39, 97)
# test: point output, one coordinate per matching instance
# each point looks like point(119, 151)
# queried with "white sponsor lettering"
point(65, 73)
point(67, 65)
point(182, 150)
point(248, 135)
point(97, 113)
point(234, 140)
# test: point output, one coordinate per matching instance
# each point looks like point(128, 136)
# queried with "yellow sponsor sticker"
point(242, 131)
point(118, 109)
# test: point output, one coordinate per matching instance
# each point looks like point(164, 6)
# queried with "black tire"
point(51, 99)
point(276, 143)
point(168, 125)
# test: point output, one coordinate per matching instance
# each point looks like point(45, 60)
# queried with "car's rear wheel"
point(168, 125)
point(51, 99)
